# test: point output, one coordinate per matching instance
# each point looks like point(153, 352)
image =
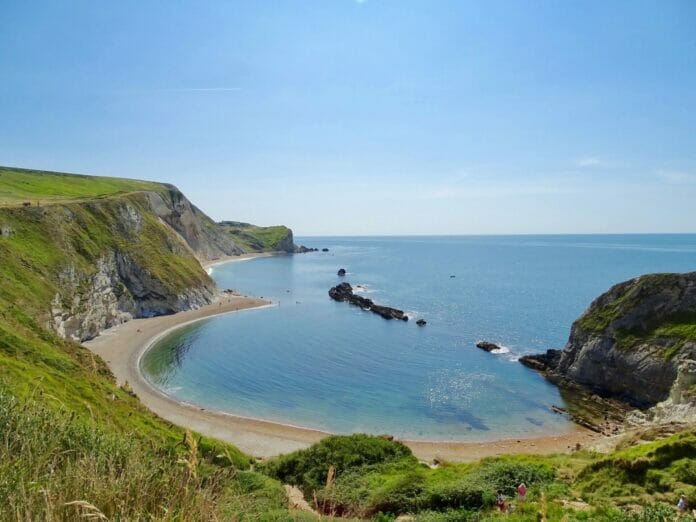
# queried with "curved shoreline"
point(123, 346)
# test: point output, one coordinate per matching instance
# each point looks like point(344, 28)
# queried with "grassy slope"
point(67, 431)
point(383, 477)
point(45, 241)
point(670, 333)
point(20, 185)
point(256, 239)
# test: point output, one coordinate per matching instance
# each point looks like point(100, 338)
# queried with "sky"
point(345, 117)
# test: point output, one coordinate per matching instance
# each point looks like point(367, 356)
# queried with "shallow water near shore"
point(316, 363)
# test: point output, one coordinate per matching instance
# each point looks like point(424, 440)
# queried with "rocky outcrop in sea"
point(487, 346)
point(301, 249)
point(635, 343)
point(344, 292)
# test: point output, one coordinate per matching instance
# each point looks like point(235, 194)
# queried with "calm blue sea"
point(312, 362)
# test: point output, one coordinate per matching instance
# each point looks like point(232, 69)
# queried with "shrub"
point(685, 471)
point(308, 468)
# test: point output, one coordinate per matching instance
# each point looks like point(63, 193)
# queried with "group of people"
point(509, 507)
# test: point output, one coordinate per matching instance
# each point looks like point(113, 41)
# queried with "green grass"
point(67, 432)
point(50, 458)
point(40, 187)
point(683, 327)
point(374, 478)
point(657, 470)
point(628, 294)
point(372, 475)
point(253, 238)
point(667, 334)
point(47, 244)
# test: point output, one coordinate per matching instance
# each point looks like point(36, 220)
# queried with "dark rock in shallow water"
point(487, 346)
point(388, 312)
point(303, 249)
point(324, 249)
point(543, 361)
point(342, 272)
point(421, 322)
point(344, 292)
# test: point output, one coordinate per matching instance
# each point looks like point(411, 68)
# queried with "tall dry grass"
point(54, 466)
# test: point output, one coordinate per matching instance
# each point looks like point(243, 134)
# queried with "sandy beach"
point(242, 257)
point(123, 346)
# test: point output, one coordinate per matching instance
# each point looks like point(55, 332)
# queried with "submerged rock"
point(421, 322)
point(344, 292)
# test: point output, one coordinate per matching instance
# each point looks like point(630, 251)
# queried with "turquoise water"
point(313, 362)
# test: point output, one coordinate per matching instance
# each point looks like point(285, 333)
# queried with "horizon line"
point(505, 234)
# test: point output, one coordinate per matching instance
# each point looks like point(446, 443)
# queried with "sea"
point(309, 361)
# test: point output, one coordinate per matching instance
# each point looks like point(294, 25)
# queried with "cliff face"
point(205, 237)
point(636, 342)
point(85, 253)
point(104, 261)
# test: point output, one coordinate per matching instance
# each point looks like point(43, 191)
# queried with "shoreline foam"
point(123, 347)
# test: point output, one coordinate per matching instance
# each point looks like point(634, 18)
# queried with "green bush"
point(685, 470)
point(409, 487)
point(308, 468)
point(507, 473)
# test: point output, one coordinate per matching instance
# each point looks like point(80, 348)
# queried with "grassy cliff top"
point(646, 309)
point(18, 186)
point(253, 238)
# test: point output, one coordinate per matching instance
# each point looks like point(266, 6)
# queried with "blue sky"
point(370, 117)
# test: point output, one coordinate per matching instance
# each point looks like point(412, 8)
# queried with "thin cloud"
point(203, 89)
point(597, 162)
point(493, 191)
point(589, 161)
point(675, 177)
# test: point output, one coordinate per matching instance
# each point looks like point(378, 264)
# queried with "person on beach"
point(681, 505)
point(522, 492)
point(500, 501)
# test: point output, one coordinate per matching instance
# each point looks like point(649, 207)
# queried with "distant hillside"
point(253, 238)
